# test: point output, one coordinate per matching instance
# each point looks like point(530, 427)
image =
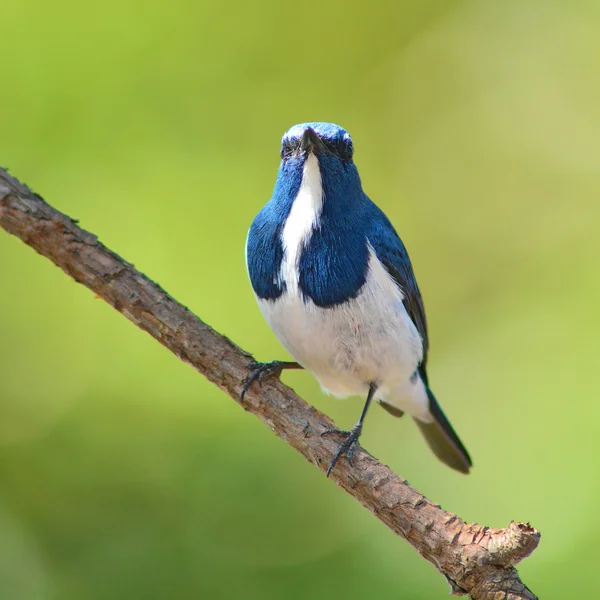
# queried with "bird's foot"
point(347, 447)
point(262, 370)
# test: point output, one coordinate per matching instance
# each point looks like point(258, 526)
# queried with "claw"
point(347, 447)
point(262, 370)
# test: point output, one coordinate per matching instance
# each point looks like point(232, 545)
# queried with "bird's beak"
point(310, 142)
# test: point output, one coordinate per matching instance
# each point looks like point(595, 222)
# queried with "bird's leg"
point(268, 369)
point(348, 446)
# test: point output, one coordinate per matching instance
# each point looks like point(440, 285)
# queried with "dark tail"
point(442, 438)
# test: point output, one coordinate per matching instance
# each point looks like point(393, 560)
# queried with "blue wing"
point(264, 253)
point(393, 255)
point(390, 250)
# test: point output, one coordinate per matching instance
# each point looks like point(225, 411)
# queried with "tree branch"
point(475, 560)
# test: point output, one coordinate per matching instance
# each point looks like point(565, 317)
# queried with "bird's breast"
point(325, 256)
point(369, 337)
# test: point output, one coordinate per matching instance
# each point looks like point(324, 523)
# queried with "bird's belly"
point(348, 346)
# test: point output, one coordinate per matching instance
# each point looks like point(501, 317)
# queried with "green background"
point(123, 473)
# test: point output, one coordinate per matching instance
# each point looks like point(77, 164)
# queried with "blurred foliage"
point(124, 474)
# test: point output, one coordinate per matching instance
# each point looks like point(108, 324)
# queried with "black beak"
point(311, 142)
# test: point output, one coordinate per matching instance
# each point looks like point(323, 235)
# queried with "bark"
point(476, 560)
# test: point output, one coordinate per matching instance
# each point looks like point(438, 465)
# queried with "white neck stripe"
point(301, 222)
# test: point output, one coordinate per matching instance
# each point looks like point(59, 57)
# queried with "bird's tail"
point(442, 438)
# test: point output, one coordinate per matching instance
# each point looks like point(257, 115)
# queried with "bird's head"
point(323, 151)
point(325, 140)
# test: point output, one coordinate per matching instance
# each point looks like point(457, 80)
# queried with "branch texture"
point(475, 560)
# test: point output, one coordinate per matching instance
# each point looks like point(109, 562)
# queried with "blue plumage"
point(264, 249)
point(333, 265)
point(335, 282)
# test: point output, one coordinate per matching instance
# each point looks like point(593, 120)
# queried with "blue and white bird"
point(335, 283)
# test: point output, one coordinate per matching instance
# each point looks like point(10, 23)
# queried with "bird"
point(335, 283)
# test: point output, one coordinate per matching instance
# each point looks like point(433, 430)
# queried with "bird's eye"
point(286, 149)
point(345, 148)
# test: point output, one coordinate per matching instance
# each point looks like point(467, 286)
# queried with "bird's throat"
point(301, 222)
